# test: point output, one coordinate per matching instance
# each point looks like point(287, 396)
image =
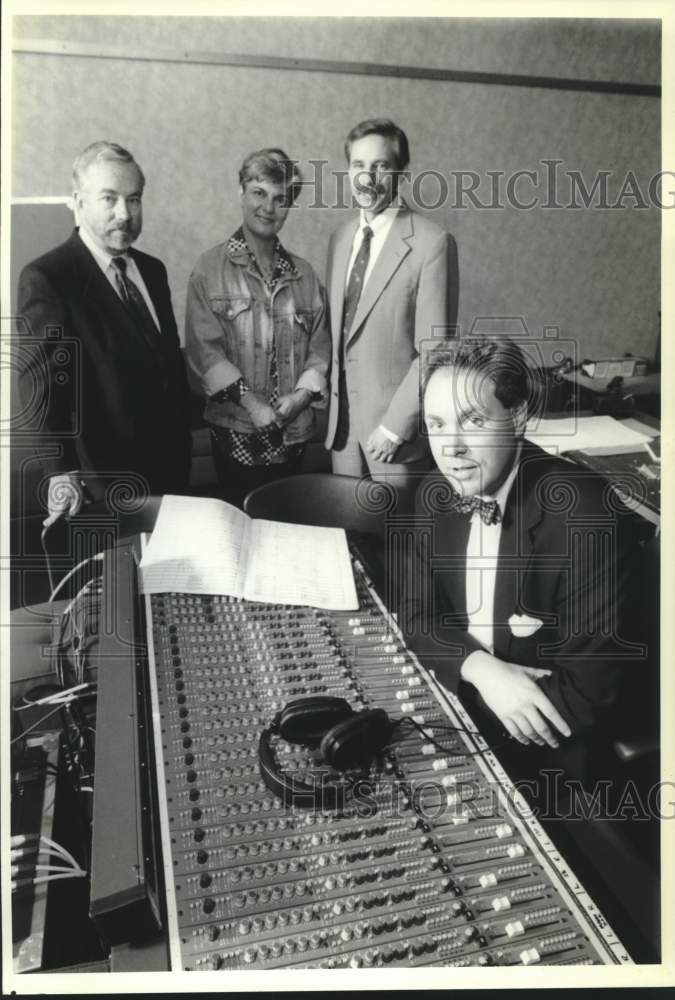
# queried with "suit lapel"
point(112, 315)
point(522, 516)
point(94, 283)
point(147, 275)
point(337, 279)
point(396, 247)
point(449, 548)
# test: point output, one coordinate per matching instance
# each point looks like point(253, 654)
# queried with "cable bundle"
point(59, 863)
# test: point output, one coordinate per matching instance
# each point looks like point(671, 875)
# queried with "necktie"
point(489, 510)
point(131, 295)
point(355, 283)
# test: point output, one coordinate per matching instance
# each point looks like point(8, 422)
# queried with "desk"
point(633, 385)
point(645, 387)
point(634, 469)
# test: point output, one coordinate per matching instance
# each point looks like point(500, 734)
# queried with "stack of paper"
point(205, 546)
point(581, 433)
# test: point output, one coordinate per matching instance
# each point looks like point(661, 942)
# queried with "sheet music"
point(198, 546)
point(204, 546)
point(300, 564)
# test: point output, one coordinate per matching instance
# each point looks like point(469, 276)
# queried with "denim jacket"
point(232, 321)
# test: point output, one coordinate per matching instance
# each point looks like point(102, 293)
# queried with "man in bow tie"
point(106, 373)
point(516, 593)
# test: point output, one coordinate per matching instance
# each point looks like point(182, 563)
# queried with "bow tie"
point(489, 510)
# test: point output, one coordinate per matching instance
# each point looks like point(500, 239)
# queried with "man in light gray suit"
point(393, 284)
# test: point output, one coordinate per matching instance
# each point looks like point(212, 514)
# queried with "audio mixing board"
point(433, 860)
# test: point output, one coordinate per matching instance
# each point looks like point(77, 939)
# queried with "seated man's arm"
point(430, 624)
point(597, 624)
point(434, 633)
point(577, 674)
point(581, 664)
point(512, 693)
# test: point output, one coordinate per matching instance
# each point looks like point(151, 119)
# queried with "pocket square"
point(522, 625)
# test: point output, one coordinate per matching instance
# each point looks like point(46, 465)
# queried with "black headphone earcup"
point(291, 791)
point(305, 720)
point(354, 742)
point(269, 770)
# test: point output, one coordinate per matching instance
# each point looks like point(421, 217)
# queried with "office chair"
point(324, 500)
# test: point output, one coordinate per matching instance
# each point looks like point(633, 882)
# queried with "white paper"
point(198, 546)
point(300, 564)
point(204, 546)
point(579, 433)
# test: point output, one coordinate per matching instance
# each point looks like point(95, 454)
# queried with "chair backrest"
point(324, 499)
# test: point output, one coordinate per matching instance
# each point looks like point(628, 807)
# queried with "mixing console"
point(433, 859)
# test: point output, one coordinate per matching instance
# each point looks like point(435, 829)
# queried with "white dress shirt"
point(482, 556)
point(103, 258)
point(380, 225)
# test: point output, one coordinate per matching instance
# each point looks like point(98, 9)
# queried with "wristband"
point(233, 394)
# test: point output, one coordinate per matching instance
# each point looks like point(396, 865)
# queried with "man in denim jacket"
point(257, 336)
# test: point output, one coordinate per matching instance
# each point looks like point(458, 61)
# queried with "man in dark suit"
point(107, 375)
point(393, 284)
point(517, 591)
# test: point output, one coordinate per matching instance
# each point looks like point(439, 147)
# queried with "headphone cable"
point(423, 730)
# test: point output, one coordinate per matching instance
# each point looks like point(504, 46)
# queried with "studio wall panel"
point(592, 272)
point(584, 48)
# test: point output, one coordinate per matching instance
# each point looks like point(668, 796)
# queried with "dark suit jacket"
point(409, 299)
point(109, 405)
point(569, 554)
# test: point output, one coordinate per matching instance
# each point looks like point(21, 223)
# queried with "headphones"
point(346, 739)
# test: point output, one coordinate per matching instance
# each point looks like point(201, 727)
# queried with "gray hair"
point(100, 151)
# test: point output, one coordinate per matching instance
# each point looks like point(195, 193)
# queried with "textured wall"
point(593, 273)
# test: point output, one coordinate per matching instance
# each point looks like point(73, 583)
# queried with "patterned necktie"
point(131, 295)
point(489, 510)
point(355, 283)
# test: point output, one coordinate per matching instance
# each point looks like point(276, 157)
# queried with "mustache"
point(369, 188)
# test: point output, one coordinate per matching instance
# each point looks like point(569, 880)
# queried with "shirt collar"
point(502, 493)
point(380, 221)
point(237, 247)
point(102, 257)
